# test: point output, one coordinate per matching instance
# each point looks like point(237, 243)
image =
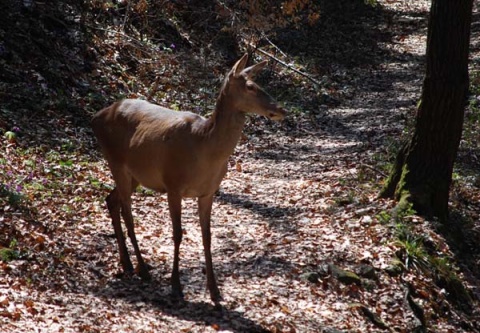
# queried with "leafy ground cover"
point(301, 242)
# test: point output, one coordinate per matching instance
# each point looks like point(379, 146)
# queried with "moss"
point(387, 191)
point(404, 202)
point(395, 268)
point(344, 276)
point(396, 173)
point(402, 183)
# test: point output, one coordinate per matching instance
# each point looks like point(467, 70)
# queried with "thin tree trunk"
point(423, 169)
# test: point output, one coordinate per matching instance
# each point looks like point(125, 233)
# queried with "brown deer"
point(178, 153)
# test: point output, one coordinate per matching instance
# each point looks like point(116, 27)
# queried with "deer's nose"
point(278, 114)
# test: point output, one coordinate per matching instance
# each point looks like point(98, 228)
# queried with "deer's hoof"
point(177, 293)
point(143, 272)
point(124, 275)
point(216, 297)
point(127, 267)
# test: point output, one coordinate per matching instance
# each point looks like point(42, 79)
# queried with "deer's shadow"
point(156, 294)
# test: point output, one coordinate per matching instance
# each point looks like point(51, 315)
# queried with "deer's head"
point(247, 96)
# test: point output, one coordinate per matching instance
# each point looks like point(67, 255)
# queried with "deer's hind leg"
point(126, 184)
point(142, 268)
point(114, 207)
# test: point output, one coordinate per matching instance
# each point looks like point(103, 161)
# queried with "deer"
point(179, 153)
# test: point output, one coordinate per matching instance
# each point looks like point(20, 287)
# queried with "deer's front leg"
point(205, 210)
point(175, 207)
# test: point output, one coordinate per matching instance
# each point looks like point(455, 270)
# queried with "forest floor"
point(301, 243)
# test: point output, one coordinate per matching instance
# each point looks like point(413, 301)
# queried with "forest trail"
point(295, 216)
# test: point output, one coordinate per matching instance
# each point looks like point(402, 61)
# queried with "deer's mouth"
point(277, 115)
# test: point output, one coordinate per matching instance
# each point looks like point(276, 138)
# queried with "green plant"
point(442, 266)
point(384, 217)
point(66, 163)
point(13, 197)
point(446, 277)
point(9, 253)
point(296, 110)
point(398, 216)
point(30, 163)
point(372, 3)
point(95, 182)
point(412, 253)
point(405, 211)
point(345, 200)
point(145, 191)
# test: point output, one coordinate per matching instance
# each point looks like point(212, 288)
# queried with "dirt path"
point(299, 196)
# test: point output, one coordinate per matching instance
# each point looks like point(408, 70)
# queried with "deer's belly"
point(182, 182)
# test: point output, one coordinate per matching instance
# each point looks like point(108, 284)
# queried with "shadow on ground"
point(155, 294)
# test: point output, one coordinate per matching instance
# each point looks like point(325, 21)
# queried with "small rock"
point(344, 276)
point(310, 277)
point(367, 272)
point(323, 270)
point(395, 269)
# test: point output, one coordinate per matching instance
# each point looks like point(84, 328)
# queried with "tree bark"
point(422, 172)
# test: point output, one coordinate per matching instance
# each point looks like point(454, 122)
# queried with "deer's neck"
point(226, 128)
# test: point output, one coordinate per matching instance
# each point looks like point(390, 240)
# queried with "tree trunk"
point(423, 169)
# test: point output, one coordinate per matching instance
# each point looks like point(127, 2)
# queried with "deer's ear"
point(253, 70)
point(239, 66)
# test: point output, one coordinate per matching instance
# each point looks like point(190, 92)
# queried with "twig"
point(416, 308)
point(129, 4)
point(129, 38)
point(287, 65)
point(114, 32)
point(274, 45)
point(154, 87)
point(374, 169)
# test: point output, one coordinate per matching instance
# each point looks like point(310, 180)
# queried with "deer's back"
point(162, 149)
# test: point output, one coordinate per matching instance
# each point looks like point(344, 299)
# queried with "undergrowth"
point(417, 252)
